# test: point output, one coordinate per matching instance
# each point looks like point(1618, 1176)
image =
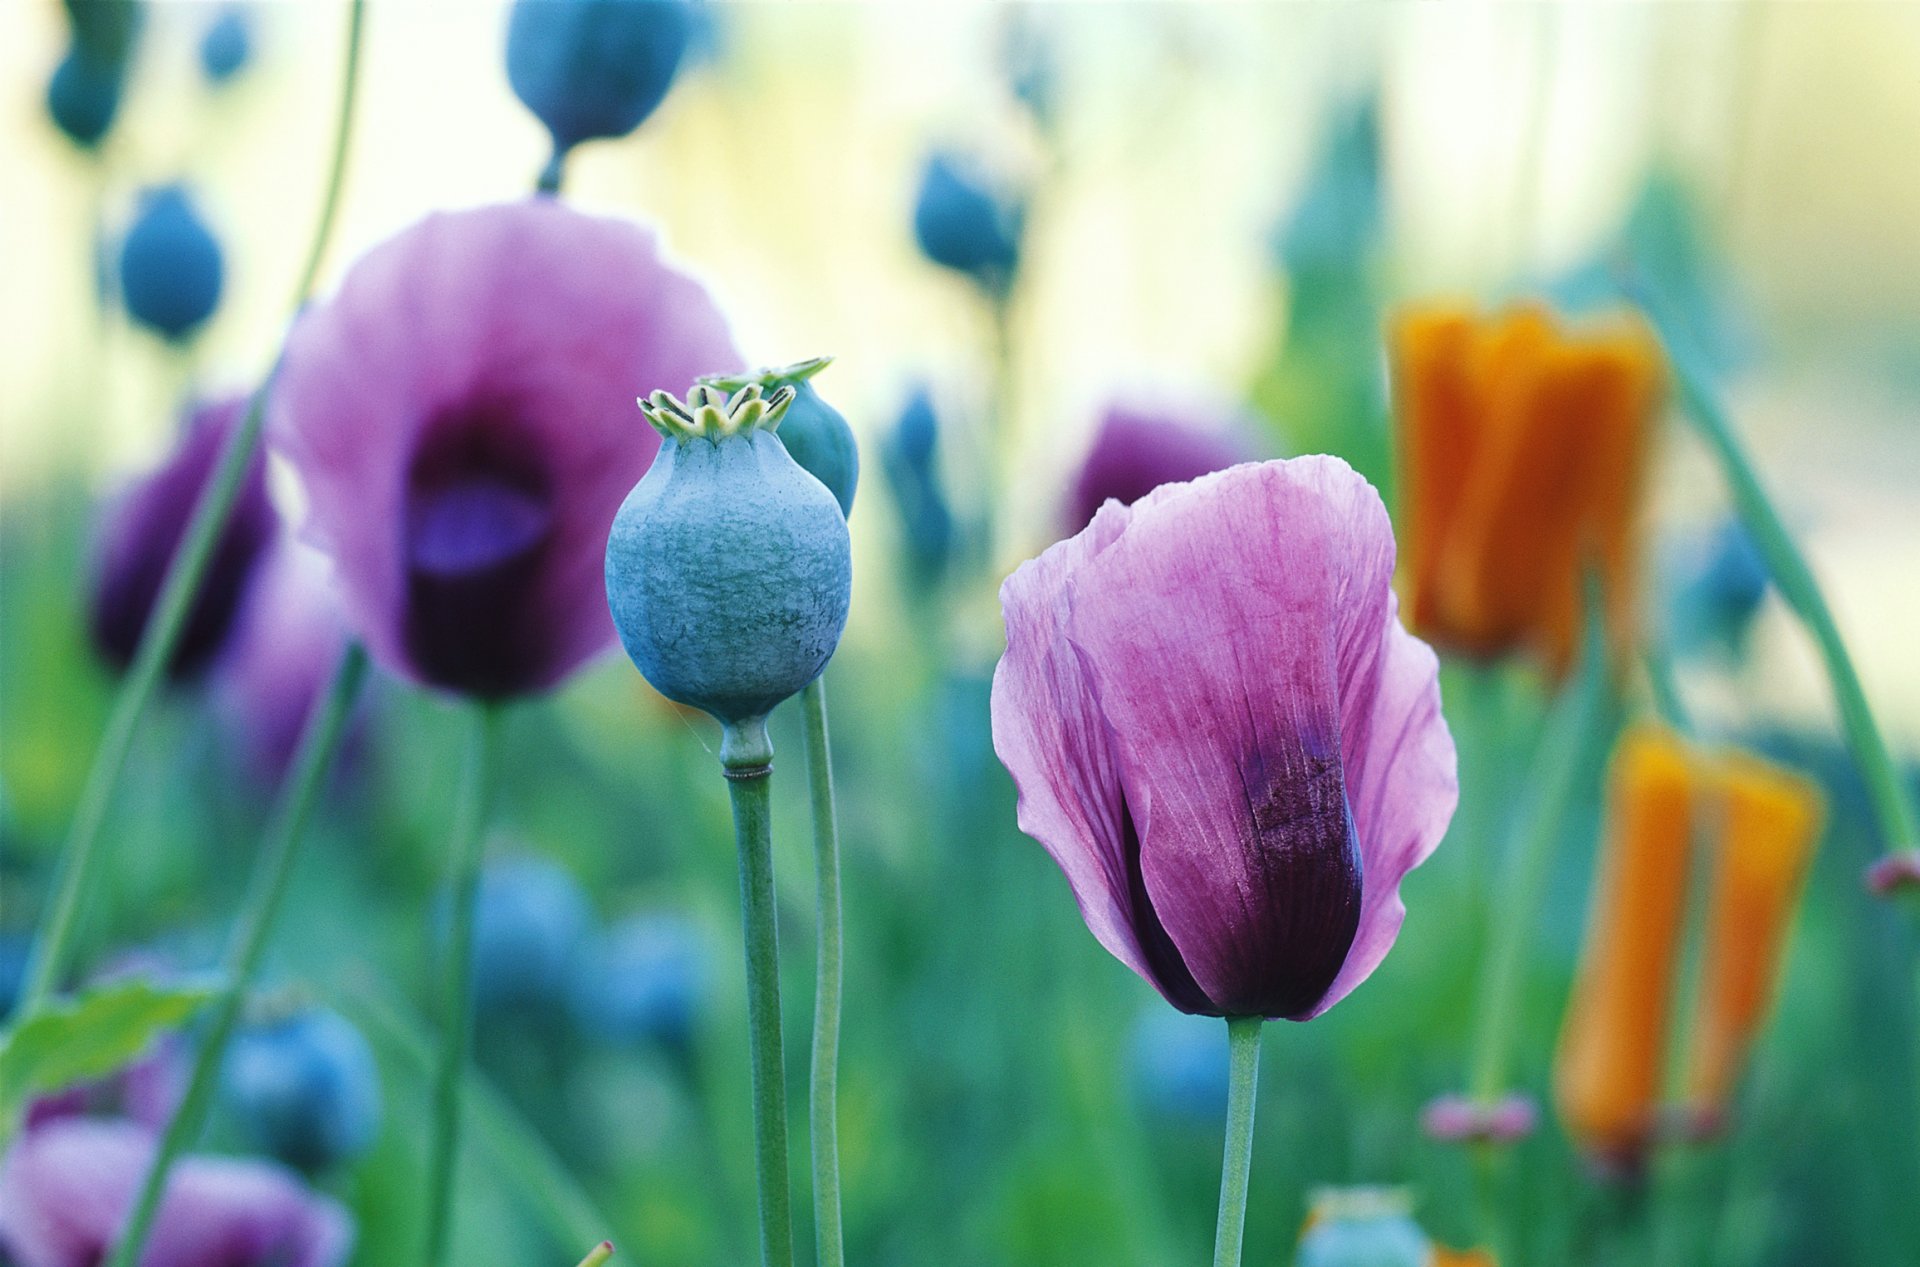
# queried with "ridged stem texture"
point(747, 758)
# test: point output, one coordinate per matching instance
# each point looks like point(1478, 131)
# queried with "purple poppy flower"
point(67, 1187)
point(288, 641)
point(1135, 452)
point(461, 414)
point(1223, 735)
point(143, 530)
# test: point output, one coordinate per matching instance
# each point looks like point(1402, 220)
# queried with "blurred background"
point(1221, 202)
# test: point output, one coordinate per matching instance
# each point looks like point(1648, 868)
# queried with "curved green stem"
point(747, 756)
point(456, 1034)
point(271, 871)
point(79, 857)
point(828, 1235)
point(1236, 1164)
point(1899, 820)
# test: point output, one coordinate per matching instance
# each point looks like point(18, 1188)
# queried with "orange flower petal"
point(1608, 1069)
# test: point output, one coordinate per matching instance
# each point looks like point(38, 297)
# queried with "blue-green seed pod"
point(729, 569)
point(1362, 1227)
point(815, 433)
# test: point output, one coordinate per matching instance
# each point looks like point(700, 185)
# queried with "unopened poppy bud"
point(83, 97)
point(1362, 1227)
point(227, 44)
point(815, 433)
point(170, 265)
point(961, 224)
point(729, 569)
point(595, 69)
point(305, 1088)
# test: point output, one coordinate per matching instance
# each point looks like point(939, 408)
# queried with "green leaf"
point(90, 1035)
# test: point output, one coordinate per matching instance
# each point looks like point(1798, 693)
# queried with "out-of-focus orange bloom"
point(1522, 450)
point(1770, 822)
point(1444, 1257)
point(1613, 1044)
point(1759, 824)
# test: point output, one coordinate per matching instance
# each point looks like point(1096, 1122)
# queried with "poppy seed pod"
point(170, 266)
point(305, 1088)
point(595, 69)
point(729, 569)
point(814, 432)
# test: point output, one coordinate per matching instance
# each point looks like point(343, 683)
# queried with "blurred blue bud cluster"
point(171, 271)
point(304, 1088)
point(531, 924)
point(910, 458)
point(643, 982)
point(961, 222)
point(1179, 1066)
point(595, 69)
point(226, 46)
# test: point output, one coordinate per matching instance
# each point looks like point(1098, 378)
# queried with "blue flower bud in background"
point(960, 223)
point(530, 929)
point(644, 982)
point(1718, 590)
point(14, 949)
point(170, 265)
point(1362, 1227)
point(910, 458)
point(304, 1088)
point(729, 569)
point(592, 69)
point(1179, 1066)
point(1335, 225)
point(84, 96)
point(814, 432)
point(226, 46)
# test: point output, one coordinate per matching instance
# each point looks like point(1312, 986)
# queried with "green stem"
point(456, 1034)
point(828, 1236)
point(271, 871)
point(1243, 1043)
point(1899, 820)
point(747, 755)
point(1573, 731)
point(79, 857)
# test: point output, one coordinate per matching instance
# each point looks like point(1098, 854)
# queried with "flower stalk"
point(824, 1101)
point(79, 857)
point(456, 1034)
point(747, 757)
point(272, 870)
point(1236, 1163)
point(1892, 804)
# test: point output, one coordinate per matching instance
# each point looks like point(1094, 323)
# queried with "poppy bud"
point(1362, 1227)
point(644, 983)
point(815, 433)
point(227, 44)
point(593, 69)
point(530, 924)
point(910, 457)
point(84, 96)
point(170, 265)
point(729, 569)
point(306, 1088)
point(961, 224)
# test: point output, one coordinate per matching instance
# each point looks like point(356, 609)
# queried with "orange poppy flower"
point(1612, 1046)
point(1758, 824)
point(1770, 822)
point(1522, 449)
